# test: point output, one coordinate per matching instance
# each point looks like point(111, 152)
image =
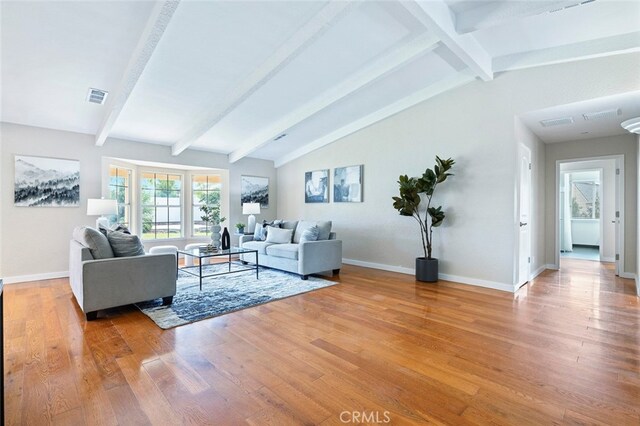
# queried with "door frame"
point(619, 202)
point(519, 284)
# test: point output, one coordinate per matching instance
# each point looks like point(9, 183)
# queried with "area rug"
point(225, 293)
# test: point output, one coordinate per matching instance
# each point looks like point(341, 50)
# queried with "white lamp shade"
point(250, 208)
point(100, 207)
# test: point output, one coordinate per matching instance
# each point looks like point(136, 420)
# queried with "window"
point(585, 200)
point(120, 190)
point(206, 191)
point(161, 205)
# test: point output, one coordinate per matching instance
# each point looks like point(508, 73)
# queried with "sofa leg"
point(91, 316)
point(304, 277)
point(167, 300)
point(243, 262)
point(336, 271)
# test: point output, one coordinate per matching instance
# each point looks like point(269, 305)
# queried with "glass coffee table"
point(201, 253)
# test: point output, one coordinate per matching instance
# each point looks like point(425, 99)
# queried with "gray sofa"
point(106, 283)
point(303, 258)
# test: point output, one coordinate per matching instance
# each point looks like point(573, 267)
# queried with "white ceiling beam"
point(156, 25)
point(308, 33)
point(376, 70)
point(392, 109)
point(440, 20)
point(492, 14)
point(614, 45)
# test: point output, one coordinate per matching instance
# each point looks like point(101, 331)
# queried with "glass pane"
point(215, 186)
point(175, 214)
point(174, 198)
point(147, 197)
point(126, 176)
point(148, 181)
point(161, 198)
point(148, 218)
point(175, 182)
point(199, 197)
point(120, 195)
point(199, 182)
point(113, 193)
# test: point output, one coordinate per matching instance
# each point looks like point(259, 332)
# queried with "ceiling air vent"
point(277, 138)
point(610, 113)
point(556, 122)
point(97, 96)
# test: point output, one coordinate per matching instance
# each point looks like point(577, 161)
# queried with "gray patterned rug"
point(226, 293)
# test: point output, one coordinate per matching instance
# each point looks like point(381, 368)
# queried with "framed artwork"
point(316, 186)
point(255, 189)
point(46, 182)
point(347, 184)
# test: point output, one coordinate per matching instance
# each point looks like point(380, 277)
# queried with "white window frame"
point(156, 171)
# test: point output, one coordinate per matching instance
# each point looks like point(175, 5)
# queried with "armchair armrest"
point(123, 280)
point(319, 256)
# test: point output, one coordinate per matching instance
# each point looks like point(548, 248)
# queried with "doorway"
point(589, 222)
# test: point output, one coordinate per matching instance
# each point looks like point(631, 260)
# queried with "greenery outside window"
point(161, 197)
point(585, 200)
point(120, 190)
point(206, 189)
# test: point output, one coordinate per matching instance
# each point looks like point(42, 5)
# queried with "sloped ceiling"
point(232, 77)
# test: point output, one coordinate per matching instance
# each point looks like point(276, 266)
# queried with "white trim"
point(538, 272)
point(381, 67)
point(552, 267)
point(35, 277)
point(608, 259)
point(437, 17)
point(287, 52)
point(447, 277)
point(628, 275)
point(619, 201)
point(638, 284)
point(404, 103)
point(156, 25)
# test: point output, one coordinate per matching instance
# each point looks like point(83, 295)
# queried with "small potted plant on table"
point(240, 228)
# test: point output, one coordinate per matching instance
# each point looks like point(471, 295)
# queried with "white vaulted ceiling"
point(232, 76)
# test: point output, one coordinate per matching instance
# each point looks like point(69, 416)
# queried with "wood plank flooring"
point(379, 347)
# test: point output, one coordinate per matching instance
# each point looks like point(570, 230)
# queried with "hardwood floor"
point(564, 350)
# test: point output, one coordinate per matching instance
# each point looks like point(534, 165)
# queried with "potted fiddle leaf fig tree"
point(413, 191)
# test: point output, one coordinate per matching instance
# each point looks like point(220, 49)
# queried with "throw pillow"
point(324, 229)
point(95, 241)
point(258, 234)
point(114, 227)
point(310, 234)
point(279, 236)
point(125, 245)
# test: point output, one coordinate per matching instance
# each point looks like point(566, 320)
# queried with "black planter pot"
point(426, 269)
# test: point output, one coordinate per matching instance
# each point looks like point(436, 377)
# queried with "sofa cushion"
point(324, 227)
point(278, 235)
point(289, 251)
point(261, 246)
point(95, 241)
point(125, 245)
point(310, 234)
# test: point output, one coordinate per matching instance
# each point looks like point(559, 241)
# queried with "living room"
point(300, 91)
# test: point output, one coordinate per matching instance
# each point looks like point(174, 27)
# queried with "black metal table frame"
point(212, 255)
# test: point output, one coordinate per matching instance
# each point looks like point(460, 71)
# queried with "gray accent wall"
point(36, 240)
point(475, 125)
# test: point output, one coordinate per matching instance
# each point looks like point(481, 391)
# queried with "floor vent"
point(97, 96)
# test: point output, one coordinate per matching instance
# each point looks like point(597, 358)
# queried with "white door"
point(524, 252)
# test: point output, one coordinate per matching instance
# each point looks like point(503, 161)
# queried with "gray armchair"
point(106, 283)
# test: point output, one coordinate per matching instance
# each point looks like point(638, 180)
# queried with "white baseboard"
point(35, 277)
point(552, 266)
point(628, 275)
point(538, 271)
point(608, 259)
point(410, 271)
point(638, 284)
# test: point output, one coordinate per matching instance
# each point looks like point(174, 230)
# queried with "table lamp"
point(101, 207)
point(251, 209)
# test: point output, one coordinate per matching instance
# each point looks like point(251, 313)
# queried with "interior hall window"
point(161, 197)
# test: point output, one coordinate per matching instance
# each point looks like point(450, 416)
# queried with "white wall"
point(638, 219)
point(473, 124)
point(36, 240)
point(525, 136)
point(575, 150)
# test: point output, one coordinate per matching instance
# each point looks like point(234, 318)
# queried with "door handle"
point(523, 224)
